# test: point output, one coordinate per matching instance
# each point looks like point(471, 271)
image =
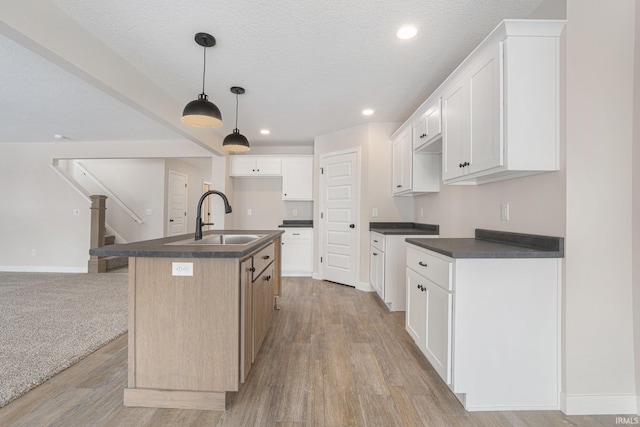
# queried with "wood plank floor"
point(334, 357)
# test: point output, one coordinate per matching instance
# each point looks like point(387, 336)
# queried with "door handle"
point(352, 226)
point(170, 220)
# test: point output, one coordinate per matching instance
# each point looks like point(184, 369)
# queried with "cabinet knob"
point(398, 186)
point(375, 254)
point(253, 170)
point(422, 264)
point(285, 194)
point(266, 257)
point(376, 241)
point(252, 269)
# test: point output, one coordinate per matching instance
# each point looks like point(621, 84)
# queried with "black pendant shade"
point(236, 141)
point(202, 112)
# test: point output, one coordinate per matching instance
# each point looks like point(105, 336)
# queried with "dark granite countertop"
point(297, 223)
point(399, 228)
point(159, 248)
point(495, 244)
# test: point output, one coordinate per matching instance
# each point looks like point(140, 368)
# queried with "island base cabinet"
point(183, 333)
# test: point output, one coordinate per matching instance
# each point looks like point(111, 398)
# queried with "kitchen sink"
point(221, 239)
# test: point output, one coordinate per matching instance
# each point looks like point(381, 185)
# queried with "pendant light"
point(236, 141)
point(202, 112)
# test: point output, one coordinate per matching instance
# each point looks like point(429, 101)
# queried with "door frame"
point(321, 203)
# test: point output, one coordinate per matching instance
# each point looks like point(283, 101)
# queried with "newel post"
point(98, 211)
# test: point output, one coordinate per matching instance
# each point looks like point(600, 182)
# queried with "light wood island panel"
point(188, 335)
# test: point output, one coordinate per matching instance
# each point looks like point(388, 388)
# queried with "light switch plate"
point(182, 269)
point(374, 212)
point(504, 212)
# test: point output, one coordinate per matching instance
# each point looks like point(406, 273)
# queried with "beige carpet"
point(49, 321)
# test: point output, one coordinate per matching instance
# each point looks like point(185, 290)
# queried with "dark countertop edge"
point(404, 228)
point(495, 244)
point(533, 241)
point(156, 248)
point(296, 223)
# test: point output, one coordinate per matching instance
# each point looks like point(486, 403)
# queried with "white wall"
point(139, 184)
point(599, 376)
point(37, 204)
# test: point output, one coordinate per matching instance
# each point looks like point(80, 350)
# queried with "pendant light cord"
point(204, 68)
point(236, 111)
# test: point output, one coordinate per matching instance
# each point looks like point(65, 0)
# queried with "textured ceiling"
point(308, 67)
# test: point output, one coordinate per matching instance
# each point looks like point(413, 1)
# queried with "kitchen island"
point(198, 314)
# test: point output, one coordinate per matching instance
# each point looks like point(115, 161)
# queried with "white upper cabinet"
point(413, 173)
point(297, 178)
point(501, 106)
point(427, 130)
point(497, 115)
point(243, 166)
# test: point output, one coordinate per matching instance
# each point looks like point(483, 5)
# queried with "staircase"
point(99, 264)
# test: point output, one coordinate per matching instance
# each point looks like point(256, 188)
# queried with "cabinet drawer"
point(378, 241)
point(435, 269)
point(297, 233)
point(262, 259)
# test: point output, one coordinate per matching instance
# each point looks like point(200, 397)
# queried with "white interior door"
point(177, 204)
point(338, 217)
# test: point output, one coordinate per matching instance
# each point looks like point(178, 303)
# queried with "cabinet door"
point(242, 165)
point(456, 120)
point(433, 122)
point(263, 306)
point(377, 271)
point(486, 109)
point(416, 316)
point(268, 166)
point(297, 253)
point(246, 310)
point(419, 132)
point(402, 158)
point(438, 337)
point(297, 178)
point(397, 166)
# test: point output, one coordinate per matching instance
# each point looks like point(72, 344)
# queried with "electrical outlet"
point(295, 212)
point(504, 211)
point(76, 212)
point(374, 212)
point(149, 212)
point(249, 212)
point(182, 269)
point(33, 252)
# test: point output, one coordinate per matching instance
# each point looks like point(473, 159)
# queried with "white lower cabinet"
point(297, 251)
point(489, 327)
point(388, 267)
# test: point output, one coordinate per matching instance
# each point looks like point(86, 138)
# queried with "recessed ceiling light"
point(265, 131)
point(406, 32)
point(367, 112)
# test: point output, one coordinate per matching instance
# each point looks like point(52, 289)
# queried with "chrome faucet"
point(199, 222)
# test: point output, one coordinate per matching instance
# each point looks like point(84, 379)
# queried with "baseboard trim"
point(364, 287)
point(316, 276)
point(41, 269)
point(599, 404)
point(296, 274)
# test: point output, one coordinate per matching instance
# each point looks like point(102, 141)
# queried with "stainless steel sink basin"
point(221, 239)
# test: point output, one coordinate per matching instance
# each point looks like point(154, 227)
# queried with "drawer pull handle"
point(296, 234)
point(375, 241)
point(422, 264)
point(375, 254)
point(266, 257)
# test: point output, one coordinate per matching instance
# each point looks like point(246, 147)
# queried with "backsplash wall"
point(264, 197)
